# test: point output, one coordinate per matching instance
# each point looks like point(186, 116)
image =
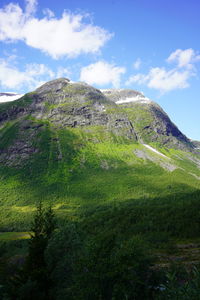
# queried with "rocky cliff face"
point(68, 104)
point(151, 123)
point(125, 114)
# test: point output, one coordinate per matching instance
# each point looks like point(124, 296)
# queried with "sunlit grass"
point(88, 172)
point(11, 236)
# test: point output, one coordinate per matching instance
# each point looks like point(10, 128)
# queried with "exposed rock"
point(55, 86)
point(150, 122)
point(143, 154)
point(22, 146)
point(104, 165)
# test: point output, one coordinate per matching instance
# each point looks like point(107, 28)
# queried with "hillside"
point(74, 146)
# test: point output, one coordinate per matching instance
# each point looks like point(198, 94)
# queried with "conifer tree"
point(33, 280)
point(42, 229)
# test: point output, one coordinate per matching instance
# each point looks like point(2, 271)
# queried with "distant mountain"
point(5, 97)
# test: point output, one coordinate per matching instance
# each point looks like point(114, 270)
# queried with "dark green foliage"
point(181, 284)
point(156, 219)
point(32, 281)
point(116, 269)
point(38, 242)
point(81, 261)
point(64, 255)
point(106, 266)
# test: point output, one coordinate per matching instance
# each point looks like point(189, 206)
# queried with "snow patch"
point(111, 90)
point(9, 97)
point(156, 151)
point(134, 99)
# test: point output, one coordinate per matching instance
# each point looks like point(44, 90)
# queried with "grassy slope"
point(13, 236)
point(91, 170)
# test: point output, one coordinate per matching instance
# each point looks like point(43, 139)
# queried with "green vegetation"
point(181, 284)
point(142, 118)
point(7, 134)
point(122, 210)
point(93, 259)
point(32, 279)
point(74, 169)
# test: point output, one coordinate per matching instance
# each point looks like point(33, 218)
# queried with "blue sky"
point(148, 45)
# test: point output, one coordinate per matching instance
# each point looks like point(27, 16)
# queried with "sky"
point(151, 46)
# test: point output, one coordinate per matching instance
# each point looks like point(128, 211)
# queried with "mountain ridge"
point(78, 104)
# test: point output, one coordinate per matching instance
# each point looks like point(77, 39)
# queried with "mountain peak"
point(53, 85)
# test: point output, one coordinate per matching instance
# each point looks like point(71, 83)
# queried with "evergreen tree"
point(33, 281)
point(42, 229)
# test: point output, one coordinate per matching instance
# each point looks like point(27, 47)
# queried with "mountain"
point(125, 113)
point(74, 145)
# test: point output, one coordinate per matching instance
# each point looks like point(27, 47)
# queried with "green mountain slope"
point(71, 145)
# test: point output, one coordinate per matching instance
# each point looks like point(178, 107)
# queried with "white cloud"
point(137, 64)
point(70, 36)
point(163, 80)
point(167, 80)
point(11, 23)
point(31, 77)
point(184, 58)
point(102, 73)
